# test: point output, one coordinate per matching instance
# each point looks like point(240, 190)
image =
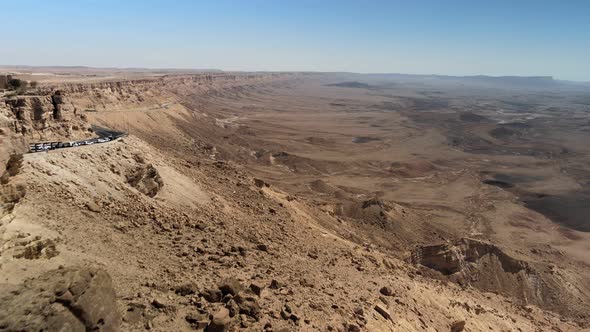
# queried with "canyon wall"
point(58, 111)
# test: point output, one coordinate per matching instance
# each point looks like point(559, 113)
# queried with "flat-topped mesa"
point(56, 111)
point(114, 84)
point(80, 87)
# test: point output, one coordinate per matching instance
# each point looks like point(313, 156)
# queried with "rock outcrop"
point(51, 115)
point(485, 266)
point(146, 180)
point(73, 299)
point(450, 259)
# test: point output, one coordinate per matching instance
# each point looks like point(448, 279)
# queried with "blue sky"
point(421, 37)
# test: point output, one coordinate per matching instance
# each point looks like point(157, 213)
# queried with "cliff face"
point(125, 94)
point(45, 116)
point(57, 111)
point(63, 102)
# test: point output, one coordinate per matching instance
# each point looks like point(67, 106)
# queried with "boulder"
point(458, 326)
point(186, 289)
point(288, 313)
point(212, 295)
point(197, 320)
point(387, 291)
point(262, 247)
point(260, 183)
point(230, 286)
point(248, 305)
point(92, 206)
point(353, 328)
point(219, 321)
point(275, 284)
point(73, 299)
point(146, 180)
point(257, 287)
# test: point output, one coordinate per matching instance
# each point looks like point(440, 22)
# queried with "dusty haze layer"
point(295, 202)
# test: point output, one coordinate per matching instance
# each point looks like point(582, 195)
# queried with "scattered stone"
point(353, 328)
point(262, 247)
point(383, 311)
point(139, 158)
point(244, 323)
point(230, 286)
point(387, 291)
point(38, 249)
point(197, 320)
point(159, 304)
point(243, 251)
point(212, 295)
point(288, 313)
point(306, 283)
point(233, 307)
point(219, 321)
point(186, 289)
point(275, 284)
point(226, 298)
point(458, 326)
point(92, 206)
point(260, 183)
point(359, 311)
point(257, 288)
point(248, 305)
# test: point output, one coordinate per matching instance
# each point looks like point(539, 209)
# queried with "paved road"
point(104, 135)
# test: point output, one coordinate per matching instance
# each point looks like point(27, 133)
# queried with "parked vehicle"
point(46, 146)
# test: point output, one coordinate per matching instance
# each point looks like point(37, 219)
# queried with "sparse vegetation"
point(20, 86)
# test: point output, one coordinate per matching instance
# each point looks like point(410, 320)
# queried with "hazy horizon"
point(131, 69)
point(457, 38)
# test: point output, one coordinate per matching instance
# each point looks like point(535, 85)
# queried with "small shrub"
point(17, 85)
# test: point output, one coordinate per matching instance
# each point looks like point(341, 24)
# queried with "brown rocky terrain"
point(267, 202)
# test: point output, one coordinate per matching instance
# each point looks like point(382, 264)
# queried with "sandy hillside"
point(234, 204)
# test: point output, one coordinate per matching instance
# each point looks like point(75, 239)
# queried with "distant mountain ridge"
point(523, 82)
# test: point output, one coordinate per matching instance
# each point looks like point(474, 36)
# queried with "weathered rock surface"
point(73, 299)
point(219, 321)
point(487, 267)
point(146, 180)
